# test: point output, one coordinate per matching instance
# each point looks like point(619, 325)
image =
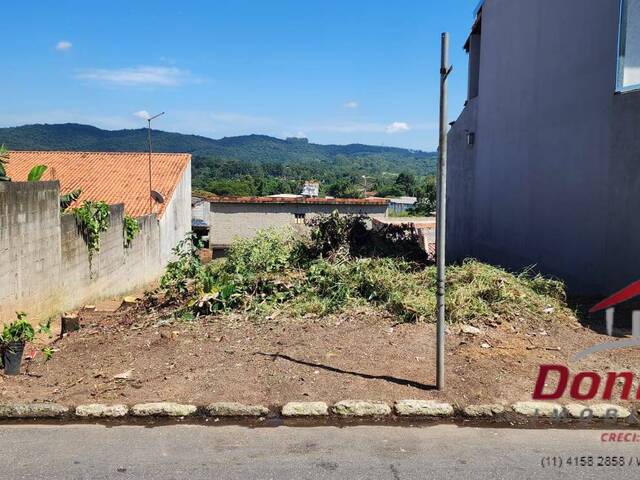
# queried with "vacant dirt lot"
point(132, 356)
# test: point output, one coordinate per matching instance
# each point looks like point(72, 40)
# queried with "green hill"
point(264, 162)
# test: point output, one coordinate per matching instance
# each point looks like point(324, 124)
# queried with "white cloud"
point(138, 76)
point(397, 127)
point(351, 104)
point(63, 45)
point(143, 114)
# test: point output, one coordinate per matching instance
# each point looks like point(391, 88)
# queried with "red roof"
point(304, 200)
point(112, 177)
point(623, 295)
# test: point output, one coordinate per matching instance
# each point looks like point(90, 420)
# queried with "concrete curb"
point(305, 409)
point(33, 410)
point(423, 408)
point(544, 412)
point(163, 409)
point(361, 408)
point(233, 409)
point(99, 410)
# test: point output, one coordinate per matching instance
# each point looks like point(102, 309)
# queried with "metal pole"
point(150, 189)
point(149, 136)
point(441, 212)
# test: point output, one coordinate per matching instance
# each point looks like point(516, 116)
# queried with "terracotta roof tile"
point(113, 177)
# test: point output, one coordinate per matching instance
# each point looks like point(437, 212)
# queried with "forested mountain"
point(244, 165)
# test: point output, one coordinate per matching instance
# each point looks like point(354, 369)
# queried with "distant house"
point(544, 158)
point(233, 217)
point(115, 177)
point(200, 218)
point(199, 209)
point(311, 189)
point(401, 204)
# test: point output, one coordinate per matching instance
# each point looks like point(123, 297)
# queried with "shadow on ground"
point(386, 378)
point(596, 321)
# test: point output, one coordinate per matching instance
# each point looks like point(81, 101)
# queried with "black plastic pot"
point(12, 357)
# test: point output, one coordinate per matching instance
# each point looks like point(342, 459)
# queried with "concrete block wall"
point(114, 269)
point(44, 261)
point(29, 248)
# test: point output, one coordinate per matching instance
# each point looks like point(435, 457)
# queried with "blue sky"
point(334, 71)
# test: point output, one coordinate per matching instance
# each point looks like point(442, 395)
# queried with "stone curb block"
point(163, 409)
point(305, 409)
point(600, 410)
point(99, 410)
point(233, 409)
point(361, 408)
point(423, 408)
point(344, 408)
point(540, 409)
point(487, 410)
point(32, 410)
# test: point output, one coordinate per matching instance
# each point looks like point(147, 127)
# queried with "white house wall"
point(231, 220)
point(176, 221)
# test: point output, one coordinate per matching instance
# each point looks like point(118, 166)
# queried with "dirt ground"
point(131, 356)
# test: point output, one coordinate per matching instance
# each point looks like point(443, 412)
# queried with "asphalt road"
point(363, 452)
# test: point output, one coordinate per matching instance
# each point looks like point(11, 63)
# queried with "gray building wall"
point(552, 178)
point(44, 261)
point(228, 221)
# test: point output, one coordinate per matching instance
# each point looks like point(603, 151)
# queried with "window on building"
point(299, 218)
point(629, 62)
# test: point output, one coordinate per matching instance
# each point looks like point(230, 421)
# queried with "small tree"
point(407, 183)
point(344, 188)
point(4, 159)
point(426, 193)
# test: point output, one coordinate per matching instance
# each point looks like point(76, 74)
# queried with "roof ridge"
point(100, 152)
point(115, 177)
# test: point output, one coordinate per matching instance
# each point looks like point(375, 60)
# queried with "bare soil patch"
point(131, 356)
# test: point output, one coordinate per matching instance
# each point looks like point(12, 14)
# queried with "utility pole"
point(441, 211)
point(149, 132)
point(365, 184)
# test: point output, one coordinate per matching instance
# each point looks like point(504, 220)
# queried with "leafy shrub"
point(337, 235)
point(18, 331)
point(92, 219)
point(4, 159)
point(130, 228)
point(187, 268)
point(66, 199)
point(330, 282)
point(344, 264)
point(349, 236)
point(268, 251)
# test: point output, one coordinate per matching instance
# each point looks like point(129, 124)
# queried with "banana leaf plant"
point(36, 173)
point(4, 159)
